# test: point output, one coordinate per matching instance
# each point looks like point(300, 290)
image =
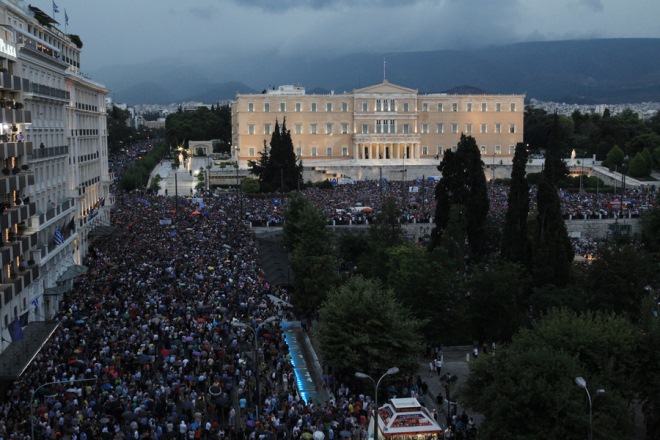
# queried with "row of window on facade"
point(425, 150)
point(390, 126)
point(386, 105)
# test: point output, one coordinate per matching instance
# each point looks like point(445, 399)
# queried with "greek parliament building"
point(55, 180)
point(384, 124)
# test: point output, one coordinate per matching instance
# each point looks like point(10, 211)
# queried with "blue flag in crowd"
point(58, 238)
point(55, 8)
point(15, 330)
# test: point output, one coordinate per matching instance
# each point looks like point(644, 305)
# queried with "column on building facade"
point(356, 150)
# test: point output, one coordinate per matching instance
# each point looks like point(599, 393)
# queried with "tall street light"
point(59, 382)
point(583, 384)
point(389, 372)
point(256, 358)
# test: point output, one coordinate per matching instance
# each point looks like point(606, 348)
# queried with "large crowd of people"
point(153, 341)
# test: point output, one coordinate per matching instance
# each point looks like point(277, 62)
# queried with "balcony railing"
point(48, 152)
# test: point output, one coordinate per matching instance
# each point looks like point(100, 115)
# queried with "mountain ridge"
point(574, 71)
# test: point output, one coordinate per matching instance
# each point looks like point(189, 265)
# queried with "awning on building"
point(73, 272)
point(57, 290)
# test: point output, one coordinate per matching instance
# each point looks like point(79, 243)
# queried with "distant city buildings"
point(53, 147)
point(645, 110)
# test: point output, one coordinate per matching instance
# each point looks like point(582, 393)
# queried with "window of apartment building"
point(328, 151)
point(498, 149)
point(512, 149)
point(440, 107)
point(344, 128)
point(498, 106)
point(251, 151)
point(483, 149)
point(425, 106)
point(250, 128)
point(298, 128)
point(250, 107)
point(313, 106)
point(454, 106)
point(266, 128)
point(365, 128)
point(406, 107)
point(328, 128)
point(406, 128)
point(513, 106)
point(266, 107)
point(379, 126)
point(469, 106)
point(484, 107)
point(328, 106)
point(498, 128)
point(314, 153)
point(439, 128)
point(282, 106)
point(344, 151)
point(344, 106)
point(484, 128)
point(468, 128)
point(425, 150)
point(512, 128)
point(379, 105)
point(365, 106)
point(312, 129)
point(454, 127)
point(298, 107)
point(425, 128)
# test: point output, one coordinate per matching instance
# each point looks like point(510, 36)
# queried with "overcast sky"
point(132, 31)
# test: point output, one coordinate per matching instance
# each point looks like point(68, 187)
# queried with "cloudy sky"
point(132, 31)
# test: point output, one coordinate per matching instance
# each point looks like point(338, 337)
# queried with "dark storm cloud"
point(285, 5)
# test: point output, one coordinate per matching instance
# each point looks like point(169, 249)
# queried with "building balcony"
point(16, 182)
point(13, 82)
point(17, 214)
point(18, 248)
point(15, 116)
point(14, 149)
point(48, 152)
point(56, 212)
point(10, 288)
point(36, 90)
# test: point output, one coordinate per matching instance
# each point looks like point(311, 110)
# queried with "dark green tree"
point(615, 158)
point(515, 241)
point(527, 389)
point(384, 233)
point(638, 166)
point(463, 183)
point(554, 151)
point(313, 261)
point(651, 231)
point(363, 327)
point(497, 300)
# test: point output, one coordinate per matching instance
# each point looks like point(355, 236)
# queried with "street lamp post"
point(391, 371)
point(59, 382)
point(256, 359)
point(583, 384)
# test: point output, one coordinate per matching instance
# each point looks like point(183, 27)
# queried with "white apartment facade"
point(381, 122)
point(66, 152)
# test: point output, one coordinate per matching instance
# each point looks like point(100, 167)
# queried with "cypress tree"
point(515, 243)
point(463, 183)
point(553, 251)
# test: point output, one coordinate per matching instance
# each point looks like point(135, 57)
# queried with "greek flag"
point(35, 302)
point(66, 18)
point(58, 238)
point(55, 8)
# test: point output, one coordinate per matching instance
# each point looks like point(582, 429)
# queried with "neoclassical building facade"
point(384, 121)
